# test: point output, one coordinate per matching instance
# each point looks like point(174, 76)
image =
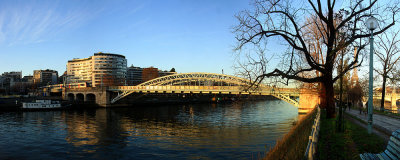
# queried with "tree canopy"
point(314, 32)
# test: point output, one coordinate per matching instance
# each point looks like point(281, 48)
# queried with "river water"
point(196, 131)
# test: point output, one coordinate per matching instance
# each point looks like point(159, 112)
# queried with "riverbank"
point(293, 145)
point(348, 144)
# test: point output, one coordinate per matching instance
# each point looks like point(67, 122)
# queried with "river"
point(195, 131)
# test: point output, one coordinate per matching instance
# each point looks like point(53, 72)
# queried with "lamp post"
point(372, 23)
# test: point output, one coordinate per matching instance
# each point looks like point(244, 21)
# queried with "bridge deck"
point(203, 89)
point(281, 93)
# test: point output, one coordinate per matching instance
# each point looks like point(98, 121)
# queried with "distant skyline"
point(191, 36)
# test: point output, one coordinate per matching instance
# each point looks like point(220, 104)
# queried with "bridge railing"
point(201, 88)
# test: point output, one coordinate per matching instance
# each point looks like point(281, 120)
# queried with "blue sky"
point(190, 35)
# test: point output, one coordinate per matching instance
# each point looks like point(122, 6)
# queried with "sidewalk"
point(381, 122)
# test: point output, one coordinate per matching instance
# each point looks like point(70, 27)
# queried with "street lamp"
point(372, 23)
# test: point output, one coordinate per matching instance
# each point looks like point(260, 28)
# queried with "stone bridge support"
point(308, 100)
point(98, 95)
point(393, 107)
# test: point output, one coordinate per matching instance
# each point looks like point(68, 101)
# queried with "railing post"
point(313, 138)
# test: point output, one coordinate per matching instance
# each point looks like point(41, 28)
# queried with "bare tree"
point(388, 57)
point(356, 93)
point(284, 21)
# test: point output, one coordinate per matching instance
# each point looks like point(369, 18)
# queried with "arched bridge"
point(198, 78)
point(391, 97)
point(205, 83)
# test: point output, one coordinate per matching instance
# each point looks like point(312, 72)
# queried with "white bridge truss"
point(205, 83)
point(208, 79)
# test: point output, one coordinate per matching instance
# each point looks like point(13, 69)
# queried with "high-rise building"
point(101, 69)
point(80, 70)
point(45, 77)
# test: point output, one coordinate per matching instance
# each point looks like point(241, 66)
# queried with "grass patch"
point(348, 144)
point(293, 145)
point(356, 118)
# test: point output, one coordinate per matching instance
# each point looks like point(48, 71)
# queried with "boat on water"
point(42, 104)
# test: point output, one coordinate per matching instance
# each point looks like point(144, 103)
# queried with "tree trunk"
point(322, 95)
point(383, 93)
point(329, 99)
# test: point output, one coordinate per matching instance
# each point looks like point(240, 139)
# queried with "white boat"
point(42, 104)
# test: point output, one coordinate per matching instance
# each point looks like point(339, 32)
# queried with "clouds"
point(26, 22)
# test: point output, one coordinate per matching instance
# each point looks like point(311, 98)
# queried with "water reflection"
point(206, 131)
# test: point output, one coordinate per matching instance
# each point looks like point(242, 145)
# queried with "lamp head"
point(372, 23)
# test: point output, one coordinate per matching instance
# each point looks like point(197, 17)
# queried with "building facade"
point(79, 70)
point(101, 69)
point(8, 78)
point(134, 76)
point(28, 79)
point(13, 83)
point(164, 73)
point(137, 75)
point(14, 76)
point(45, 77)
point(149, 73)
point(22, 86)
point(4, 84)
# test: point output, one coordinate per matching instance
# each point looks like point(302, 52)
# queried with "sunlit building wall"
point(149, 73)
point(79, 70)
point(101, 69)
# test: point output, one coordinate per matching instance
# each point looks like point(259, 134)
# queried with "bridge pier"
point(99, 95)
point(308, 100)
point(393, 107)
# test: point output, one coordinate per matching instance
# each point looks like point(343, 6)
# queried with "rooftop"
point(108, 54)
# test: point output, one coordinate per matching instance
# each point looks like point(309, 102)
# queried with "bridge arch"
point(198, 82)
point(71, 97)
point(199, 79)
point(80, 97)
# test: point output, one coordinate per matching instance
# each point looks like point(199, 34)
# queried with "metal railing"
point(286, 98)
point(313, 138)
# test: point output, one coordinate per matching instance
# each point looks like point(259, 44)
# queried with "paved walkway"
point(385, 123)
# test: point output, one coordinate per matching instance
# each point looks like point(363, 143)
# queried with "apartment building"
point(45, 77)
point(137, 75)
point(101, 69)
point(134, 75)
